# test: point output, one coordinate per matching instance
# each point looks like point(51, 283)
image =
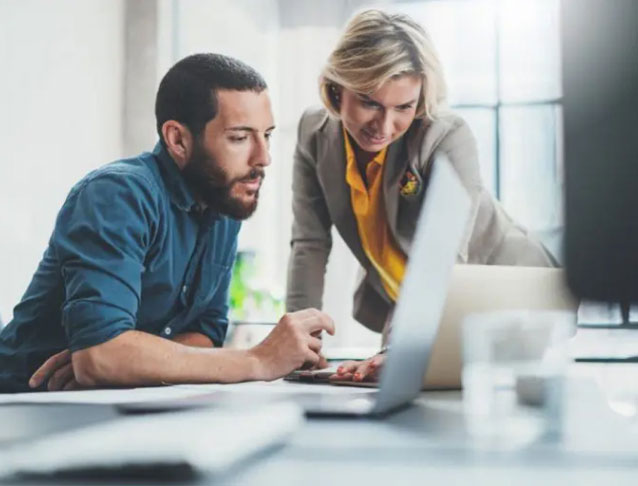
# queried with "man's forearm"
point(137, 358)
point(195, 339)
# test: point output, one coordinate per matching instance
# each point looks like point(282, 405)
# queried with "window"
point(502, 63)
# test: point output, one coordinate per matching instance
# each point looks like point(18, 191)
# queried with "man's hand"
point(57, 371)
point(291, 344)
point(368, 370)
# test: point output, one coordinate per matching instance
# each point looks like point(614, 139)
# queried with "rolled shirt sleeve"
point(101, 237)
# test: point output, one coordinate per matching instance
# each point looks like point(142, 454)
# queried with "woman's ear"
point(335, 96)
point(179, 142)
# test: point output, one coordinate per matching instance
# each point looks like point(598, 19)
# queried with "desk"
point(428, 444)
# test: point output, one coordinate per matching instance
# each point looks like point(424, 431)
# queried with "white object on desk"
point(597, 313)
point(279, 388)
point(633, 313)
point(104, 397)
point(167, 393)
point(208, 441)
point(604, 344)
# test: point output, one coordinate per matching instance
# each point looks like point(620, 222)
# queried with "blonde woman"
point(362, 163)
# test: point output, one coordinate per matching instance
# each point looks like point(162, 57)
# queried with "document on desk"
point(172, 393)
point(104, 397)
point(596, 314)
point(604, 345)
point(279, 387)
point(200, 441)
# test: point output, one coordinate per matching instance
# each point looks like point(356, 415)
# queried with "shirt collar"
point(353, 176)
point(179, 192)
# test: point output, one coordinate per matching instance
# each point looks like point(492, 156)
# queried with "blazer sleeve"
point(492, 237)
point(311, 238)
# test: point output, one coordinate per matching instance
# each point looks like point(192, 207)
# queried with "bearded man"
point(133, 287)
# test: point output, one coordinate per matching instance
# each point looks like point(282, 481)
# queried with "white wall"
point(61, 105)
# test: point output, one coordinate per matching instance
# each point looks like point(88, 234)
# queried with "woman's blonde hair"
point(377, 46)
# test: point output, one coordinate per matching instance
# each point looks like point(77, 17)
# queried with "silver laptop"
point(441, 226)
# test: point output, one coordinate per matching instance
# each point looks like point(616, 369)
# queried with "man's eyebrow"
point(242, 128)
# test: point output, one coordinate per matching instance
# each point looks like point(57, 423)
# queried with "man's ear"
point(179, 142)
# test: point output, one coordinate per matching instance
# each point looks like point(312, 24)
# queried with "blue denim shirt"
point(130, 250)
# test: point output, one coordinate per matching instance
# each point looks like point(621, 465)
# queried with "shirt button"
point(168, 331)
point(185, 289)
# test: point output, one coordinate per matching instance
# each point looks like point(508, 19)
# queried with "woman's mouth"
point(373, 138)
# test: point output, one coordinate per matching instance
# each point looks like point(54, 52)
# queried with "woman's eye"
point(404, 108)
point(369, 104)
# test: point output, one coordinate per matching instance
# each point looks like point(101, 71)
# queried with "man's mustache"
point(252, 175)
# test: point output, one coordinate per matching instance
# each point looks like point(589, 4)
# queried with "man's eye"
point(237, 139)
point(268, 135)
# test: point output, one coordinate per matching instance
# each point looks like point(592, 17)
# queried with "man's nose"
point(261, 153)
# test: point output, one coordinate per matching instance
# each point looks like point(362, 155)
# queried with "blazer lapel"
point(395, 163)
point(403, 160)
point(331, 170)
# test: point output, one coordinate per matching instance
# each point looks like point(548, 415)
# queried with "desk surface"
point(429, 442)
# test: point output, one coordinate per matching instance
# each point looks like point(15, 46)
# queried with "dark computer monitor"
point(600, 88)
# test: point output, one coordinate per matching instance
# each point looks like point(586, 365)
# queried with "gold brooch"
point(410, 184)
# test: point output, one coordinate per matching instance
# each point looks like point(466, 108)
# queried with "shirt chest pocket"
point(213, 276)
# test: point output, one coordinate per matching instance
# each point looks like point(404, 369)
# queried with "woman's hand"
point(368, 370)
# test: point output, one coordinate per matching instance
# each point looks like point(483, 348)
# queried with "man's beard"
point(212, 185)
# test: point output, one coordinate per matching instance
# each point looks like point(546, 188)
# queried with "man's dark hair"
point(188, 91)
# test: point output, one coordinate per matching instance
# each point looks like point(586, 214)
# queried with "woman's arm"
point(311, 239)
point(492, 236)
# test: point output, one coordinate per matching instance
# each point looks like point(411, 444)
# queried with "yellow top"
point(367, 202)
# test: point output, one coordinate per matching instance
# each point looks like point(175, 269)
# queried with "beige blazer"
point(321, 198)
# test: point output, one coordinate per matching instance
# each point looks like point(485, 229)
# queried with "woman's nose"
point(384, 123)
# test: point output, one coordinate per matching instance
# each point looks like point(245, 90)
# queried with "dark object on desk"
point(310, 376)
point(23, 422)
point(159, 473)
point(631, 359)
point(600, 86)
point(629, 325)
point(322, 377)
point(206, 400)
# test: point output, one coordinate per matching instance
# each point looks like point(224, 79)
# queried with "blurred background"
point(79, 79)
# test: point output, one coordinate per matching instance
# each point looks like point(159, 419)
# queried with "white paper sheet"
point(118, 396)
point(604, 343)
point(596, 313)
point(279, 387)
point(111, 396)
